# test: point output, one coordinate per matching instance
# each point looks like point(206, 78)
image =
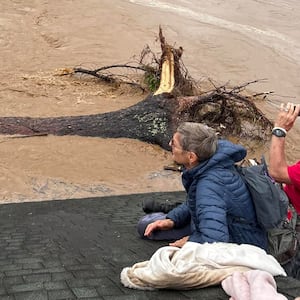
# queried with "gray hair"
point(198, 138)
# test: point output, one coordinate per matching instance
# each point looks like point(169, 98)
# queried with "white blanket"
point(197, 265)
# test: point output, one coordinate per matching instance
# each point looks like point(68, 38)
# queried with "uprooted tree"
point(155, 118)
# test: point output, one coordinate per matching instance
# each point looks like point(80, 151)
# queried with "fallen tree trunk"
point(150, 120)
point(155, 118)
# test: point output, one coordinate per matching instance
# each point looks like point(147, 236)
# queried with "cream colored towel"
point(197, 265)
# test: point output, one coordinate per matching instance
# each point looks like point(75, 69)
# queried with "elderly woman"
point(218, 207)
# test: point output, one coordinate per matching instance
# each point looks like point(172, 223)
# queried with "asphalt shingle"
point(76, 249)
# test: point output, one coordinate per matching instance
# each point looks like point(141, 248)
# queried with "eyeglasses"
point(172, 144)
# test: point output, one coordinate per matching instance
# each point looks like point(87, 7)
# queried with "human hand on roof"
point(165, 224)
point(180, 243)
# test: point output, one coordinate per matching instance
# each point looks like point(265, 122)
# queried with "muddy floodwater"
point(228, 41)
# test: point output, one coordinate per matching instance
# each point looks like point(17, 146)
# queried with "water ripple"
point(279, 42)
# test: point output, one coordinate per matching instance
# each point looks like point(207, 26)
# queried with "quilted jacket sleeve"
point(180, 215)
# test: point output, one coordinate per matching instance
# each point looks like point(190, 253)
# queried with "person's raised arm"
point(277, 158)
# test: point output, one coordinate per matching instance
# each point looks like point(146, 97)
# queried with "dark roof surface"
point(76, 249)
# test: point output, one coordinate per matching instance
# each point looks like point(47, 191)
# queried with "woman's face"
point(182, 157)
point(179, 155)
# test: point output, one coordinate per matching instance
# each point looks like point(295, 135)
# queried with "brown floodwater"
point(227, 41)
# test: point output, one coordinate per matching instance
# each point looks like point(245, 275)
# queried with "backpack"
point(282, 240)
point(273, 211)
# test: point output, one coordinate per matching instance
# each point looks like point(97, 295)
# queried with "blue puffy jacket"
point(218, 204)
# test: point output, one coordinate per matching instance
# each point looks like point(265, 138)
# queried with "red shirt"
point(293, 189)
